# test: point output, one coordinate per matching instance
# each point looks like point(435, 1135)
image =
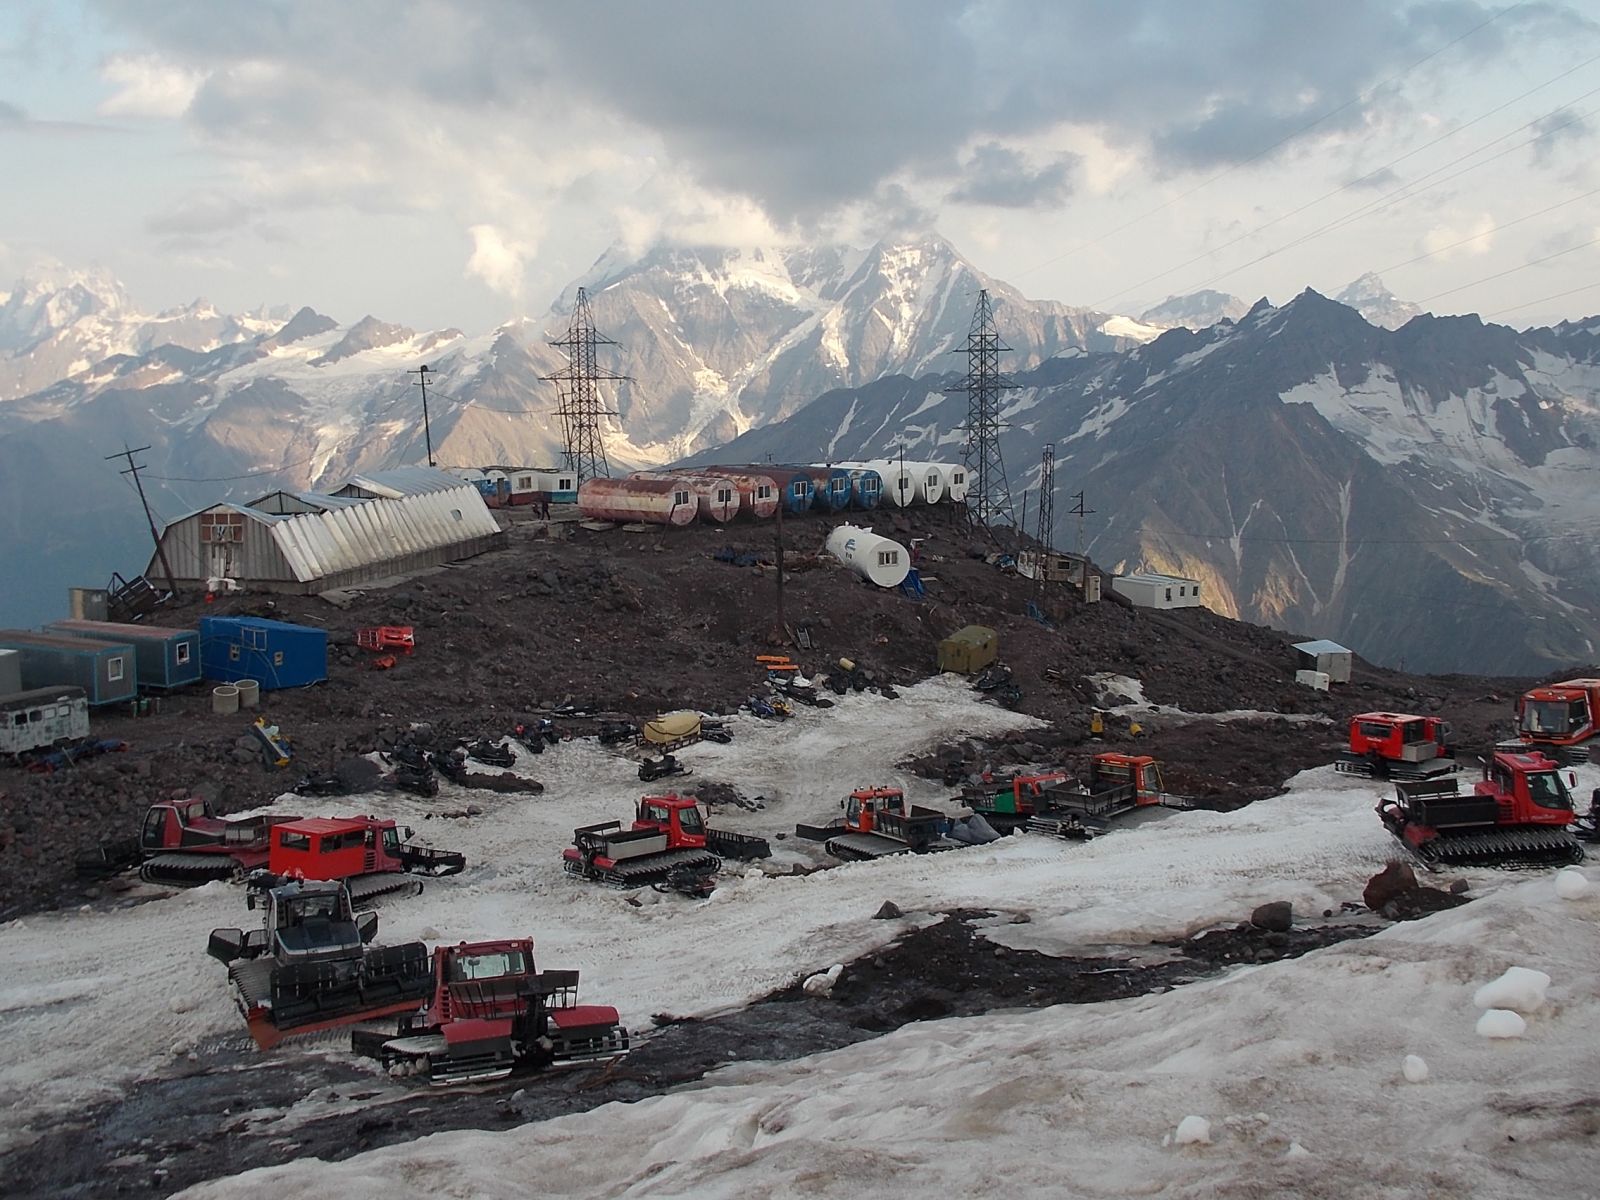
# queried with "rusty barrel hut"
point(758, 493)
point(718, 495)
point(667, 501)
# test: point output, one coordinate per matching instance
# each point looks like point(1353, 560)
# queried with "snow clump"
point(1501, 1023)
point(1520, 989)
point(1414, 1069)
point(1296, 1150)
point(821, 984)
point(1571, 884)
point(1193, 1131)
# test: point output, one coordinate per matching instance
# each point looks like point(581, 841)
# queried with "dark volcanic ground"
point(643, 622)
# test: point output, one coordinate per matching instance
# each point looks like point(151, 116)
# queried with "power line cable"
point(230, 478)
point(1486, 232)
point(1511, 270)
point(1543, 300)
point(1281, 142)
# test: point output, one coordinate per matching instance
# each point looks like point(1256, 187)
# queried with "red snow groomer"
point(368, 853)
point(492, 1012)
point(1386, 745)
point(669, 846)
point(1516, 816)
point(1560, 719)
point(183, 843)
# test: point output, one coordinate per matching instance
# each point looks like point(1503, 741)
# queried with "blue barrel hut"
point(795, 483)
point(275, 654)
point(830, 488)
point(163, 658)
point(866, 487)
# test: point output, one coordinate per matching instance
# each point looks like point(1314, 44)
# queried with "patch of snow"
point(1520, 988)
point(1415, 1069)
point(1127, 327)
point(1571, 884)
point(1501, 1023)
point(1193, 1131)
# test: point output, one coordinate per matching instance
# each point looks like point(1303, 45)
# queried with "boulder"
point(1394, 880)
point(888, 912)
point(1277, 916)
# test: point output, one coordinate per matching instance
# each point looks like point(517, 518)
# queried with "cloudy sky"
point(456, 162)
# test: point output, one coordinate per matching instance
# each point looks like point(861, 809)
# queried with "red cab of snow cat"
point(192, 824)
point(1140, 770)
point(1558, 719)
point(676, 816)
point(1528, 790)
point(334, 848)
point(862, 807)
point(1388, 745)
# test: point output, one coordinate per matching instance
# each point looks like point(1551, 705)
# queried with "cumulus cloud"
point(498, 260)
point(147, 86)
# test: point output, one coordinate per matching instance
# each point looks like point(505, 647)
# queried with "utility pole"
point(783, 629)
point(1079, 511)
point(133, 469)
point(427, 432)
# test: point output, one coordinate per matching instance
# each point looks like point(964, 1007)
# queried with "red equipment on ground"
point(492, 1012)
point(1386, 745)
point(398, 638)
point(1118, 784)
point(184, 843)
point(1516, 816)
point(878, 822)
point(1560, 719)
point(669, 836)
point(368, 853)
point(1007, 804)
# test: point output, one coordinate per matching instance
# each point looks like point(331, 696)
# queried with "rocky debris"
point(1459, 887)
point(1248, 943)
point(1277, 916)
point(888, 911)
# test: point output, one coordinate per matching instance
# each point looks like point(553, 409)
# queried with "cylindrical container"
point(930, 481)
point(955, 483)
point(249, 693)
point(899, 488)
point(651, 501)
point(224, 698)
point(718, 496)
point(878, 559)
point(830, 488)
point(758, 494)
point(866, 487)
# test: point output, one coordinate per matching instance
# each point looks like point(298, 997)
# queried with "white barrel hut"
point(649, 501)
point(879, 560)
point(931, 480)
point(718, 496)
point(956, 485)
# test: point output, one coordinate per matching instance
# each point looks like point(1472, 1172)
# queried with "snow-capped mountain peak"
point(1371, 297)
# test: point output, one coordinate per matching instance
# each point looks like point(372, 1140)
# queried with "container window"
point(680, 498)
point(763, 492)
point(233, 653)
point(114, 669)
point(525, 483)
point(1197, 589)
point(182, 655)
point(888, 557)
point(1169, 593)
point(456, 513)
point(35, 715)
point(256, 639)
point(724, 496)
point(277, 659)
point(20, 719)
point(799, 490)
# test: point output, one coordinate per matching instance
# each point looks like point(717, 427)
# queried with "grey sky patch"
point(196, 216)
point(1563, 127)
point(11, 114)
point(1004, 178)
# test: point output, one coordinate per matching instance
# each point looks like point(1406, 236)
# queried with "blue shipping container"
point(275, 654)
point(163, 657)
point(104, 671)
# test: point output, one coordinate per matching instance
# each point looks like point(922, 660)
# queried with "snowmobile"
point(419, 781)
point(408, 754)
point(661, 768)
point(715, 731)
point(614, 732)
point(321, 785)
point(992, 678)
point(491, 754)
point(698, 880)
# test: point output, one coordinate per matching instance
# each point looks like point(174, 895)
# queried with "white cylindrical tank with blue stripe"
point(879, 560)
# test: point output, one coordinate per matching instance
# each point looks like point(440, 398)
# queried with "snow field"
point(1288, 1068)
point(102, 998)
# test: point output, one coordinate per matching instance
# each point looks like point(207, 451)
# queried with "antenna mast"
point(427, 430)
point(133, 469)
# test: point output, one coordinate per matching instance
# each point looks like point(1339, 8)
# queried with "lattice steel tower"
point(988, 493)
point(580, 410)
point(1047, 498)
